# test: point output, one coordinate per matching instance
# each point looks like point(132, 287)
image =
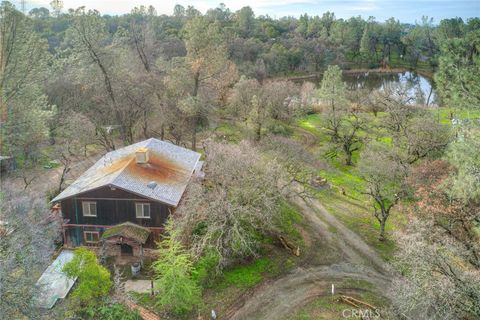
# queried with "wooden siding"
point(113, 207)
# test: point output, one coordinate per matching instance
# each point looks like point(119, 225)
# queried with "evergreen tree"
point(178, 292)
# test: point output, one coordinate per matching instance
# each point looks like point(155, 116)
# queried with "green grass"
point(290, 217)
point(341, 176)
point(234, 282)
point(312, 122)
point(444, 114)
point(357, 215)
point(245, 276)
point(229, 132)
point(354, 208)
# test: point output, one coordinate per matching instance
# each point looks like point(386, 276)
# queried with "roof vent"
point(141, 155)
point(152, 185)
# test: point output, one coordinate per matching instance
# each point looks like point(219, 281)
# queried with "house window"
point(91, 236)
point(89, 208)
point(142, 210)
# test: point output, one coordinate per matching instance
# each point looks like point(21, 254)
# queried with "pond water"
point(419, 87)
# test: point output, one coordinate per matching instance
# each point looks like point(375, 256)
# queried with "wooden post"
point(103, 257)
point(64, 236)
point(141, 254)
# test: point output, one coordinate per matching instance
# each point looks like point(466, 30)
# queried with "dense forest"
point(75, 84)
point(139, 65)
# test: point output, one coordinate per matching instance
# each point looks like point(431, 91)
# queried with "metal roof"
point(54, 284)
point(170, 166)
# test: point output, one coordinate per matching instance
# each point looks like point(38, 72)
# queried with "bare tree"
point(237, 202)
point(25, 250)
point(88, 36)
point(73, 134)
point(424, 136)
point(260, 104)
point(384, 173)
point(434, 283)
point(397, 101)
point(345, 133)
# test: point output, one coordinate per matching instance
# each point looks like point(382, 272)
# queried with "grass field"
point(345, 198)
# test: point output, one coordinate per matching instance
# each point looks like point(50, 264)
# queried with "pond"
point(419, 87)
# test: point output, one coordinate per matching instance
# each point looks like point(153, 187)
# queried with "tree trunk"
point(194, 135)
point(258, 131)
point(196, 81)
point(108, 86)
point(66, 169)
point(382, 229)
point(145, 124)
point(348, 158)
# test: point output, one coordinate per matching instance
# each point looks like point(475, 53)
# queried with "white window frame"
point(140, 213)
point(86, 208)
point(91, 232)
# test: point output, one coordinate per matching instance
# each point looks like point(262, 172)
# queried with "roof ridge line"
point(119, 171)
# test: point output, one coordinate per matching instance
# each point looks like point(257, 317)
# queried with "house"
point(125, 198)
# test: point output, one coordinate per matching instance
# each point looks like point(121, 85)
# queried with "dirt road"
point(355, 260)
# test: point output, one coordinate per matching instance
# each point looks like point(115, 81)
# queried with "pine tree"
point(178, 292)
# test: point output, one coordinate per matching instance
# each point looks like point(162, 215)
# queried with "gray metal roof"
point(54, 284)
point(170, 166)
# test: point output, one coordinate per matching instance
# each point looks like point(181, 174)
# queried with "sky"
point(404, 10)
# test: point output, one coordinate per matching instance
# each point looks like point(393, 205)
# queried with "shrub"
point(205, 269)
point(93, 280)
point(280, 129)
point(114, 311)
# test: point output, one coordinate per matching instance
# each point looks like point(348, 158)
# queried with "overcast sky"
point(404, 10)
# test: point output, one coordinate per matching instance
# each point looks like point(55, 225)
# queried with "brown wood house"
point(125, 198)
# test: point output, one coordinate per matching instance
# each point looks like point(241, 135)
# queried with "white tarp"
point(54, 284)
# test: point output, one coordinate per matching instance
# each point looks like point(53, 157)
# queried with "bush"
point(114, 311)
point(205, 269)
point(280, 129)
point(93, 280)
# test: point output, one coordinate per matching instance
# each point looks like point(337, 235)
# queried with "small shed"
point(127, 237)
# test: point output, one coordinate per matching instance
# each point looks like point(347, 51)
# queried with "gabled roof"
point(169, 166)
point(128, 230)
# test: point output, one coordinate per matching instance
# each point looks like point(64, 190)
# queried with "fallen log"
point(295, 250)
point(356, 302)
point(347, 301)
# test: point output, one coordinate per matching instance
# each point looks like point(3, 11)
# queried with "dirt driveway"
point(355, 260)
